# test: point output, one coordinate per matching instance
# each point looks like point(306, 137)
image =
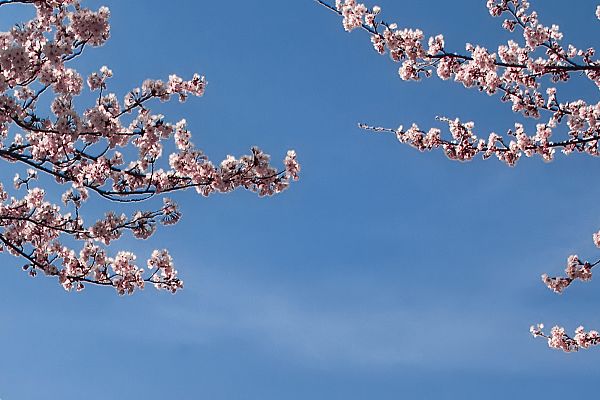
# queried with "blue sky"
point(383, 273)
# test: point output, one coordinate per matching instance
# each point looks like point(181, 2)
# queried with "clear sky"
point(383, 273)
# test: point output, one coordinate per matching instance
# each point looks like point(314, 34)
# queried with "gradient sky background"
point(383, 273)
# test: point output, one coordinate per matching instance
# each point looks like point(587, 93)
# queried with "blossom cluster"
point(113, 149)
point(575, 270)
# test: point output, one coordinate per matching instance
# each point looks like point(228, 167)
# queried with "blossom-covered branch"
point(558, 339)
point(113, 149)
point(575, 270)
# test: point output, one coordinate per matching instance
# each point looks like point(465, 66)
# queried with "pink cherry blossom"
point(596, 237)
point(353, 14)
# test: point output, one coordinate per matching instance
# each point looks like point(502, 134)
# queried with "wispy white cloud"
point(289, 325)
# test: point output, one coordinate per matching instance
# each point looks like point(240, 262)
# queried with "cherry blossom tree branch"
point(559, 339)
point(83, 152)
point(355, 10)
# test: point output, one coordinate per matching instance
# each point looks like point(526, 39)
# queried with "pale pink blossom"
point(352, 12)
point(596, 237)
